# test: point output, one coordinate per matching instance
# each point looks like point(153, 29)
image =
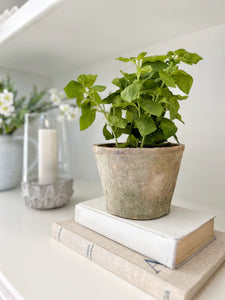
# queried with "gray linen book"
point(145, 273)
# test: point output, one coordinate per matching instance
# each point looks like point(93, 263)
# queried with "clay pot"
point(138, 183)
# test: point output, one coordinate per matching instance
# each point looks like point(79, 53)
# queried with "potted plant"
point(139, 175)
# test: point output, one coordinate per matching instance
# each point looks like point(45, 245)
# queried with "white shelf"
point(50, 36)
point(39, 267)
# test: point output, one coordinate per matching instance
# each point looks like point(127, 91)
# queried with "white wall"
point(24, 81)
point(201, 176)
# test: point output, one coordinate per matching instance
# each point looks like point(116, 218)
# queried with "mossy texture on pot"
point(138, 183)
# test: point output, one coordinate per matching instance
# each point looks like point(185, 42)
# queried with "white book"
point(170, 240)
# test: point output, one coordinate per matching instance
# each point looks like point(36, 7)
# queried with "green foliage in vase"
point(144, 106)
point(13, 108)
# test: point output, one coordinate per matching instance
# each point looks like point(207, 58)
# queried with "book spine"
point(134, 274)
point(148, 243)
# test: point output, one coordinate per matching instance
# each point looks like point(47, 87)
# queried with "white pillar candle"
point(47, 154)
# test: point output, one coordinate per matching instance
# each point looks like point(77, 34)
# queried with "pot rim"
point(108, 147)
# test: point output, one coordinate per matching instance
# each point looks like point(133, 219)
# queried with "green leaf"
point(118, 131)
point(129, 116)
point(131, 92)
point(155, 138)
point(151, 107)
point(99, 88)
point(87, 80)
point(187, 57)
point(79, 100)
point(141, 55)
point(145, 125)
point(123, 59)
point(180, 52)
point(149, 84)
point(183, 80)
point(128, 77)
point(74, 89)
point(132, 141)
point(95, 96)
point(122, 104)
point(176, 138)
point(172, 105)
point(116, 81)
point(85, 106)
point(110, 98)
point(154, 58)
point(157, 65)
point(168, 127)
point(134, 111)
point(117, 111)
point(179, 97)
point(170, 54)
point(146, 69)
point(178, 117)
point(167, 79)
point(118, 121)
point(122, 83)
point(117, 101)
point(86, 119)
point(165, 92)
point(108, 135)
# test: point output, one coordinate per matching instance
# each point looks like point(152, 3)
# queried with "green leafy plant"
point(144, 106)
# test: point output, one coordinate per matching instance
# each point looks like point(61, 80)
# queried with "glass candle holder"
point(47, 181)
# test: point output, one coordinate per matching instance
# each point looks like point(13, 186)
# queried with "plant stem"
point(158, 94)
point(104, 113)
point(142, 142)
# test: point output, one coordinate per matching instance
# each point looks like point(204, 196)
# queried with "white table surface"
point(41, 268)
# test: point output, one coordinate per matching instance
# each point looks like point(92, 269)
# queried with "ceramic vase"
point(10, 162)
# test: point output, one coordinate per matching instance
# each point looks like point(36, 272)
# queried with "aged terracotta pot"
point(138, 183)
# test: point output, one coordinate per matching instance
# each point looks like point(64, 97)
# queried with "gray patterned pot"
point(10, 162)
point(138, 183)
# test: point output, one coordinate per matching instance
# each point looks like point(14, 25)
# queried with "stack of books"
point(172, 257)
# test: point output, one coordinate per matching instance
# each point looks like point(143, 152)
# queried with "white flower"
point(6, 110)
point(68, 112)
point(56, 96)
point(53, 91)
point(62, 95)
point(72, 113)
point(64, 108)
point(55, 99)
point(6, 98)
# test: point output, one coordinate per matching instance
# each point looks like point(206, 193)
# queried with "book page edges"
point(194, 241)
